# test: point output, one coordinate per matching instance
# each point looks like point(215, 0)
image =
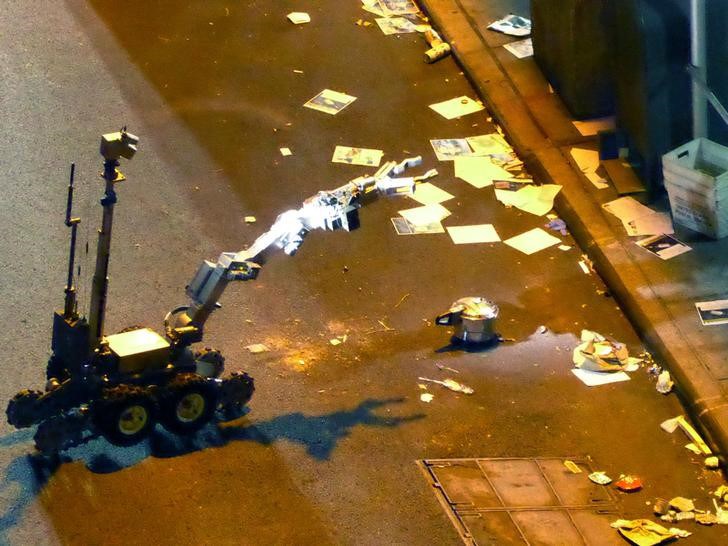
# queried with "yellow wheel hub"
point(133, 419)
point(190, 407)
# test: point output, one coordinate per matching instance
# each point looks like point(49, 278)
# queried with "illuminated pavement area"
point(327, 453)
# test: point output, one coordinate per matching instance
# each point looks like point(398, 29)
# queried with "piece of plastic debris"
point(712, 462)
point(299, 17)
point(706, 519)
point(628, 484)
point(670, 425)
point(257, 348)
point(427, 397)
point(661, 507)
point(572, 467)
point(250, 219)
point(664, 383)
point(450, 384)
point(599, 477)
point(557, 224)
point(643, 532)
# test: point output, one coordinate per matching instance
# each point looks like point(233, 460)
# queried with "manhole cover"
point(523, 501)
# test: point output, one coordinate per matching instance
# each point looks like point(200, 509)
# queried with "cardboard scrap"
point(480, 233)
point(589, 127)
point(457, 107)
point(532, 241)
point(643, 532)
point(429, 194)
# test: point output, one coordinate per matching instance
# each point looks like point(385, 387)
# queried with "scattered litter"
point(439, 48)
point(588, 163)
point(680, 532)
point(490, 144)
point(372, 6)
point(664, 383)
point(671, 425)
point(584, 267)
point(564, 247)
point(450, 384)
point(447, 149)
point(720, 514)
point(442, 367)
point(330, 102)
point(429, 194)
point(395, 25)
point(296, 71)
point(398, 7)
point(403, 227)
point(638, 219)
point(427, 397)
point(599, 477)
point(481, 233)
point(591, 127)
point(357, 156)
point(478, 171)
point(401, 300)
point(286, 152)
point(338, 340)
point(597, 354)
point(257, 348)
point(520, 49)
point(693, 448)
point(706, 519)
point(537, 200)
point(457, 107)
point(643, 532)
point(712, 462)
point(250, 219)
point(557, 224)
point(596, 379)
point(661, 507)
point(663, 246)
point(721, 493)
point(426, 215)
point(532, 241)
point(712, 312)
point(681, 504)
point(572, 467)
point(299, 17)
point(513, 25)
point(628, 484)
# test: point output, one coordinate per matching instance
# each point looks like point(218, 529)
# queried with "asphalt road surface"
point(327, 453)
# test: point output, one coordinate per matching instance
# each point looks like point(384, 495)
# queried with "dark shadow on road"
point(458, 345)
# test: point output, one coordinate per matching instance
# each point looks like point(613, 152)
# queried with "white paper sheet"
point(299, 17)
point(663, 246)
point(330, 102)
point(712, 312)
point(532, 241)
point(595, 379)
point(447, 149)
point(639, 219)
point(492, 143)
point(521, 48)
point(423, 216)
point(537, 200)
point(480, 233)
point(457, 107)
point(479, 171)
point(396, 25)
point(429, 194)
point(513, 25)
point(357, 156)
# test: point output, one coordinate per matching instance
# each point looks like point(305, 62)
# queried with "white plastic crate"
point(696, 179)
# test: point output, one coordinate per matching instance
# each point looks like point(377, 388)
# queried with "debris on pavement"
point(596, 379)
point(250, 219)
point(660, 507)
point(564, 248)
point(429, 194)
point(644, 532)
point(584, 267)
point(520, 49)
point(599, 477)
point(403, 227)
point(637, 219)
point(457, 107)
point(425, 215)
point(330, 102)
point(447, 149)
point(628, 483)
point(442, 367)
point(663, 246)
point(299, 17)
point(712, 462)
point(713, 312)
point(671, 425)
point(427, 397)
point(480, 233)
point(596, 353)
point(721, 514)
point(532, 241)
point(572, 467)
point(473, 319)
point(338, 340)
point(557, 224)
point(398, 7)
point(588, 163)
point(478, 171)
point(449, 384)
point(395, 25)
point(664, 383)
point(489, 144)
point(512, 25)
point(537, 200)
point(357, 156)
point(285, 152)
point(439, 48)
point(372, 6)
point(257, 348)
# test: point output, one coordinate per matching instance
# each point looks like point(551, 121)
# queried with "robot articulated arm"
point(326, 210)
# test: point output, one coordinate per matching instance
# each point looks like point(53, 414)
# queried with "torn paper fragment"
point(490, 144)
point(286, 152)
point(398, 7)
point(403, 227)
point(481, 233)
point(357, 156)
point(595, 379)
point(591, 127)
point(712, 312)
point(427, 397)
point(564, 247)
point(429, 194)
point(663, 246)
point(330, 102)
point(449, 384)
point(637, 218)
point(520, 49)
point(537, 200)
point(671, 425)
point(257, 348)
point(532, 241)
point(447, 149)
point(372, 6)
point(250, 219)
point(643, 532)
point(457, 107)
point(478, 171)
point(572, 467)
point(299, 17)
point(584, 267)
point(512, 25)
point(422, 216)
point(585, 159)
point(396, 25)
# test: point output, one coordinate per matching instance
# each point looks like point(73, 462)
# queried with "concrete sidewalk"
point(658, 296)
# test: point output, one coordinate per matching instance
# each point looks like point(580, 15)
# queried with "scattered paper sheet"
point(591, 127)
point(532, 241)
point(664, 246)
point(513, 25)
point(396, 25)
point(595, 379)
point(330, 102)
point(403, 227)
point(250, 219)
point(429, 194)
point(457, 107)
point(639, 219)
point(478, 171)
point(372, 6)
point(712, 312)
point(480, 233)
point(671, 425)
point(299, 17)
point(423, 216)
point(588, 163)
point(490, 144)
point(644, 532)
point(537, 200)
point(398, 7)
point(257, 348)
point(447, 149)
point(286, 152)
point(521, 48)
point(357, 156)
point(564, 247)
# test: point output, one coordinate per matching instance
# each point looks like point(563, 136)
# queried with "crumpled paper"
point(597, 354)
point(643, 532)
